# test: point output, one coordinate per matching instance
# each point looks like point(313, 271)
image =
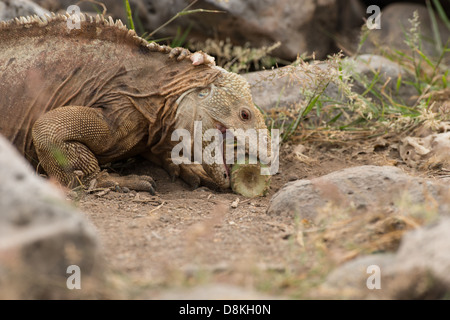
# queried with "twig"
point(98, 189)
point(158, 207)
point(182, 13)
point(146, 200)
point(95, 2)
point(245, 201)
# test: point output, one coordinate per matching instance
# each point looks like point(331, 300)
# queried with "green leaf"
point(180, 39)
point(129, 14)
point(399, 83)
point(183, 13)
point(425, 58)
point(310, 106)
point(334, 119)
point(434, 26)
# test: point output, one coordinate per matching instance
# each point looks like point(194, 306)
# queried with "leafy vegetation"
point(129, 14)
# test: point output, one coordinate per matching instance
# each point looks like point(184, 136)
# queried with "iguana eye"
point(203, 93)
point(244, 114)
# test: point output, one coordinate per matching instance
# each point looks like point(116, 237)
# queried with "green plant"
point(377, 108)
point(429, 74)
point(129, 14)
point(182, 13)
point(180, 38)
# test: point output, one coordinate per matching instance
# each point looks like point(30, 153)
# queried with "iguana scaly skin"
point(73, 99)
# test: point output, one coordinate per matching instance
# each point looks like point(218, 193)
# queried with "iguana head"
point(225, 104)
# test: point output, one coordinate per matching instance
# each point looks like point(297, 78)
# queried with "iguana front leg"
point(193, 174)
point(67, 140)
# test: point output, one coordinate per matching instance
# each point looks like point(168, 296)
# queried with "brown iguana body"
point(71, 99)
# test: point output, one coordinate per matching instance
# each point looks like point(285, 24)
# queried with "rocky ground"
point(335, 206)
point(345, 205)
point(186, 238)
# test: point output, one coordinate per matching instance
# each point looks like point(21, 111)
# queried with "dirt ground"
point(183, 237)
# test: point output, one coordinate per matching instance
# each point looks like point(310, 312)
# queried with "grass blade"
point(129, 14)
point(335, 118)
point(425, 58)
point(434, 26)
point(441, 13)
point(183, 12)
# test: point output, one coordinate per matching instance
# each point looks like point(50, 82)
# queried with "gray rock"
point(387, 68)
point(350, 280)
point(368, 65)
point(283, 87)
point(361, 188)
point(299, 26)
point(427, 249)
point(41, 231)
point(351, 14)
point(296, 199)
point(419, 270)
point(9, 9)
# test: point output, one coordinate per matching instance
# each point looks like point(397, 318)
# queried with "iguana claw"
point(195, 176)
point(134, 182)
point(179, 53)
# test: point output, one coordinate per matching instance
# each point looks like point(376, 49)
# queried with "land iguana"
point(74, 99)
